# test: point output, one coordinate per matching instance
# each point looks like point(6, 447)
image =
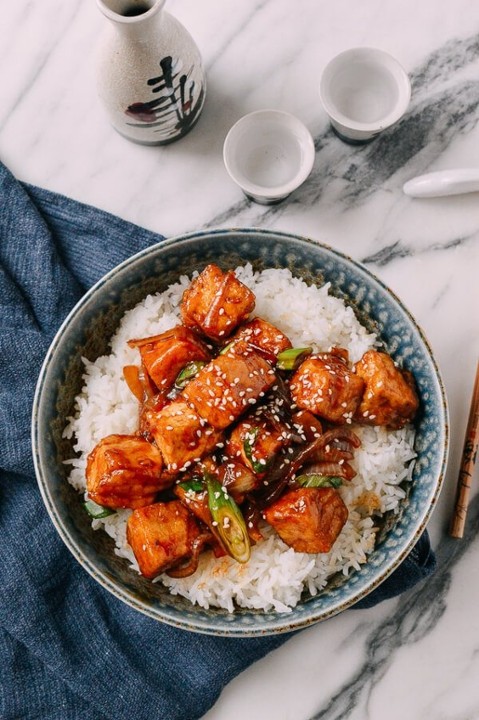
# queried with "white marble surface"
point(418, 656)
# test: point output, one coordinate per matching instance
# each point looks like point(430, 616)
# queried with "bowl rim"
point(224, 625)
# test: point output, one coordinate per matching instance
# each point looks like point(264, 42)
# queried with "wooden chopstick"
point(468, 460)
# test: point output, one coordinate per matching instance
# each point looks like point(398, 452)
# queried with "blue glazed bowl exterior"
point(86, 332)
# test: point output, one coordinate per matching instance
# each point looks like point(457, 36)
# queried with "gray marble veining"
point(418, 613)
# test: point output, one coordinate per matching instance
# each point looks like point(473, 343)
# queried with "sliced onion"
point(192, 565)
point(333, 454)
point(131, 373)
point(139, 382)
point(252, 518)
point(237, 478)
point(316, 449)
point(343, 470)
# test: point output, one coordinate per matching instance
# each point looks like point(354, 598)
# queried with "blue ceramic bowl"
point(91, 323)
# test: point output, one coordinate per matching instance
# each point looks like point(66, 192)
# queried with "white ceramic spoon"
point(443, 182)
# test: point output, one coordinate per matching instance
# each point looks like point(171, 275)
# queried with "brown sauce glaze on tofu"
point(181, 434)
point(263, 336)
point(125, 471)
point(229, 385)
point(306, 425)
point(165, 355)
point(308, 519)
point(325, 385)
point(216, 302)
point(390, 396)
point(161, 535)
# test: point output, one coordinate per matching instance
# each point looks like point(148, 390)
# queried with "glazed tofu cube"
point(326, 386)
point(255, 441)
point(308, 519)
point(181, 434)
point(216, 303)
point(165, 355)
point(161, 535)
point(125, 471)
point(390, 396)
point(306, 425)
point(228, 385)
point(263, 336)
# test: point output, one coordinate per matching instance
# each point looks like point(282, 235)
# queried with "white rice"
point(276, 575)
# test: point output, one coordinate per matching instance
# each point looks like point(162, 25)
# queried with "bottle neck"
point(131, 17)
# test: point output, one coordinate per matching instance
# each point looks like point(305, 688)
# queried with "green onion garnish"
point(314, 481)
point(229, 521)
point(248, 443)
point(291, 358)
point(193, 485)
point(188, 373)
point(97, 511)
point(227, 347)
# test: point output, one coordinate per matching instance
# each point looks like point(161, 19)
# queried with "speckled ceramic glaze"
point(85, 333)
point(150, 76)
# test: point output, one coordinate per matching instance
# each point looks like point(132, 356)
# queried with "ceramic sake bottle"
point(150, 74)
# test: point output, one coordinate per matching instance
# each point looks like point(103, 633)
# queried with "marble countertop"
point(410, 658)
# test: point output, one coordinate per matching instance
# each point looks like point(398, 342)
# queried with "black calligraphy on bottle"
point(174, 110)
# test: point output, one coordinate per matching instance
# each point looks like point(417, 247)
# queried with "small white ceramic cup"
point(268, 153)
point(364, 90)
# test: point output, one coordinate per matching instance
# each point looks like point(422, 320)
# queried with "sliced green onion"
point(291, 358)
point(227, 347)
point(229, 521)
point(248, 443)
point(97, 511)
point(315, 480)
point(193, 485)
point(188, 373)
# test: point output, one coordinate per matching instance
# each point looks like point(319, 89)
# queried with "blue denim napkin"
point(69, 649)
